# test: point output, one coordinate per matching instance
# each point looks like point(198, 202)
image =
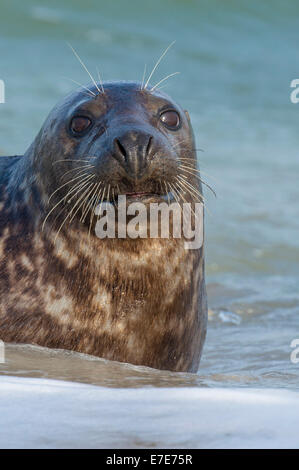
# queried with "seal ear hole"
point(80, 124)
point(170, 119)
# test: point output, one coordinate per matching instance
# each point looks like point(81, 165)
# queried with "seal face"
point(141, 301)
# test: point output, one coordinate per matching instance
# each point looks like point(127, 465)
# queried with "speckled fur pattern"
point(139, 301)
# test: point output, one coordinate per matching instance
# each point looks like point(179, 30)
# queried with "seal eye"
point(79, 124)
point(170, 119)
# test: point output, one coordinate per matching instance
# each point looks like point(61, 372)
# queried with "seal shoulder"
point(6, 165)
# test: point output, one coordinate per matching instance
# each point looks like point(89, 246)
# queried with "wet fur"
point(137, 301)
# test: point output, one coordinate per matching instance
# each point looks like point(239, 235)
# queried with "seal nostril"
point(133, 150)
point(121, 149)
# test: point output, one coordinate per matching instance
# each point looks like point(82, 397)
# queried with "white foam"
point(41, 413)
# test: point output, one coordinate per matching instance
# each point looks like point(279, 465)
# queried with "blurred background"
point(236, 61)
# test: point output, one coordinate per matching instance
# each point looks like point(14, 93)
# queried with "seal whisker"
point(92, 207)
point(178, 189)
point(72, 160)
point(143, 77)
point(85, 68)
point(101, 81)
point(101, 190)
point(190, 189)
point(76, 169)
point(100, 193)
point(179, 143)
point(87, 203)
point(196, 169)
point(199, 172)
point(167, 191)
point(86, 192)
point(198, 177)
point(72, 214)
point(156, 64)
point(84, 202)
point(108, 192)
point(102, 199)
point(161, 189)
point(186, 185)
point(90, 93)
point(63, 199)
point(184, 200)
point(177, 195)
point(160, 87)
point(77, 187)
point(163, 80)
point(83, 174)
point(113, 195)
point(202, 201)
point(192, 171)
point(195, 149)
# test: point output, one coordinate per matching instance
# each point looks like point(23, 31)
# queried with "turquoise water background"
point(236, 61)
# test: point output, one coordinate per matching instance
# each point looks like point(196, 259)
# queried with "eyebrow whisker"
point(80, 84)
point(163, 79)
point(143, 77)
point(101, 81)
point(157, 63)
point(85, 68)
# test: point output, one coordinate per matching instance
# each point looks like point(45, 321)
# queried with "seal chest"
point(137, 300)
